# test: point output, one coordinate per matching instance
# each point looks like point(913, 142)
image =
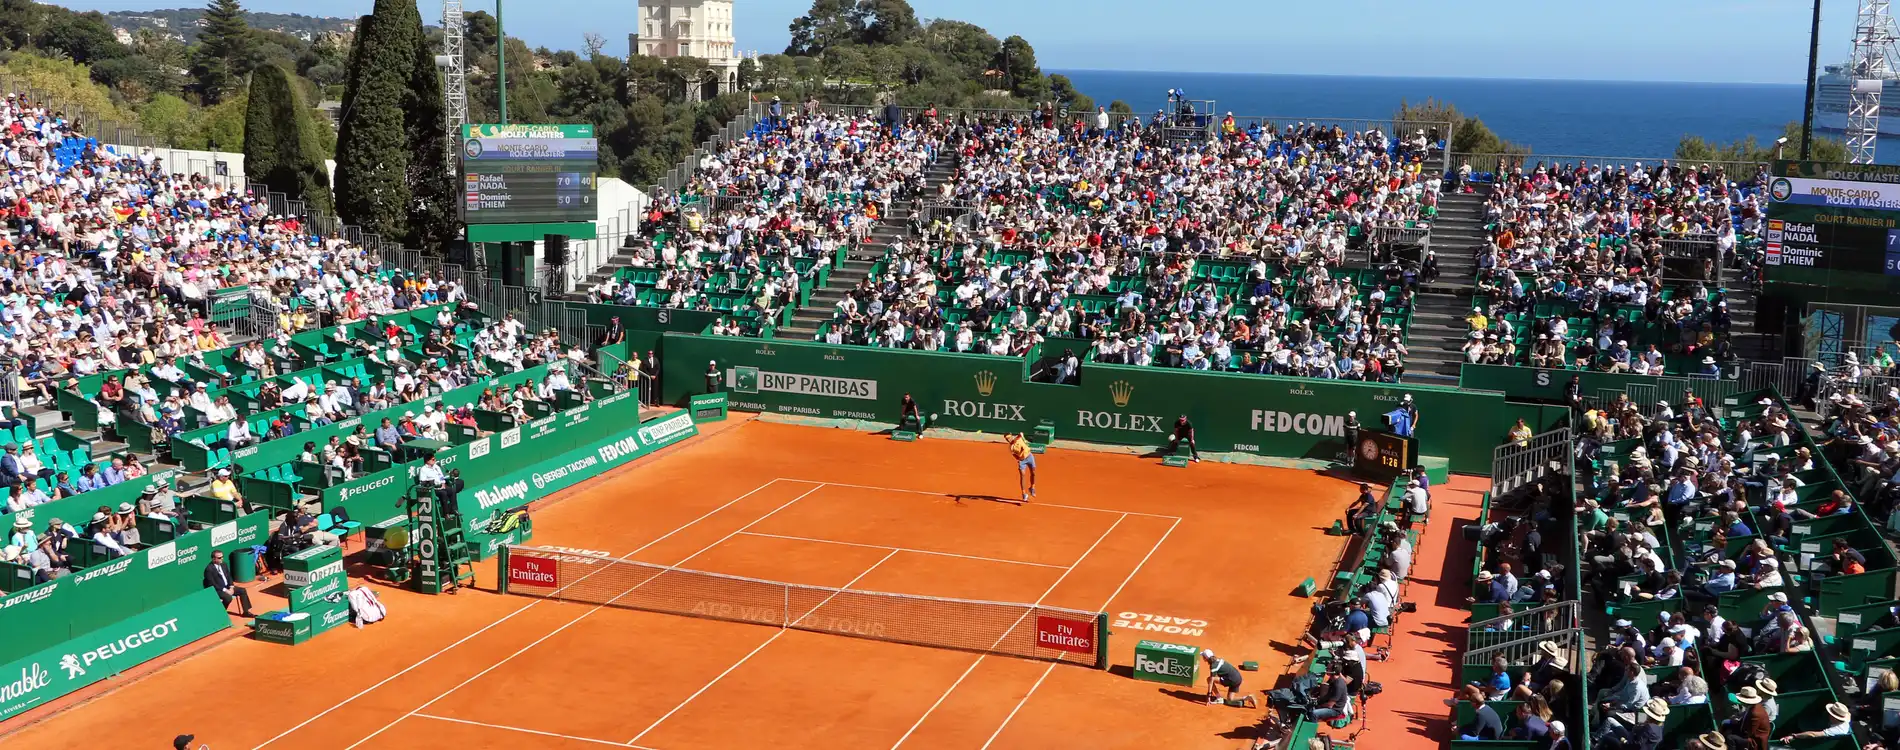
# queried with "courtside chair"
point(343, 529)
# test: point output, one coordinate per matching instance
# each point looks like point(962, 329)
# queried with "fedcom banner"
point(94, 656)
point(1271, 416)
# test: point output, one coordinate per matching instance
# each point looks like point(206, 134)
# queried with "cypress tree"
point(372, 157)
point(432, 208)
point(279, 143)
point(225, 52)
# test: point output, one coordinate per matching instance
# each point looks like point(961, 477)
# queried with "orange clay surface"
point(1224, 544)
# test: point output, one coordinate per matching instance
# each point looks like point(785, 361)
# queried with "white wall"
point(196, 162)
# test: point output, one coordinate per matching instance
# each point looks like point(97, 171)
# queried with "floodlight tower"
point(1873, 65)
point(454, 80)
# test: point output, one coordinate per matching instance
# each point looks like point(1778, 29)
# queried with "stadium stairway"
point(862, 257)
point(1438, 323)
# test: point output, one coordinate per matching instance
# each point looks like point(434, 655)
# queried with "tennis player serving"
point(1025, 463)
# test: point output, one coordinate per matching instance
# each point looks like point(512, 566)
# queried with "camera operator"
point(1331, 697)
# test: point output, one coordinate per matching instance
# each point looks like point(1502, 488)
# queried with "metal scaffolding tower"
point(454, 79)
point(1873, 65)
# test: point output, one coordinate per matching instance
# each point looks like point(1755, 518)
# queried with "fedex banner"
point(1844, 194)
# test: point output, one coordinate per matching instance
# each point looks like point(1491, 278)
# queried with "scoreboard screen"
point(528, 174)
point(1833, 227)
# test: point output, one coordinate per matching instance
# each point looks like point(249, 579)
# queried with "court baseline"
point(584, 615)
point(502, 619)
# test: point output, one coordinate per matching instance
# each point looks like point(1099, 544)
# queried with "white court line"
point(907, 549)
point(582, 616)
point(999, 639)
point(742, 660)
point(525, 730)
point(504, 618)
point(1052, 666)
point(1032, 503)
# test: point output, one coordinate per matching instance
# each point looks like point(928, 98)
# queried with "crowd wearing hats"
point(109, 261)
point(109, 258)
point(1220, 255)
point(1862, 441)
point(1686, 518)
point(1573, 272)
point(734, 236)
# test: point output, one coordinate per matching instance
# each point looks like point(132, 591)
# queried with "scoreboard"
point(522, 174)
point(1835, 227)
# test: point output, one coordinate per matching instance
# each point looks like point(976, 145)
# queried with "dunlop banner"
point(53, 612)
point(1271, 416)
point(101, 653)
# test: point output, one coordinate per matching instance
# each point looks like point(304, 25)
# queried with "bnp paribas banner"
point(107, 651)
point(1271, 416)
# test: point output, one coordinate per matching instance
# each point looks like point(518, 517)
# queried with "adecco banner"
point(49, 613)
point(1271, 416)
point(481, 504)
point(107, 651)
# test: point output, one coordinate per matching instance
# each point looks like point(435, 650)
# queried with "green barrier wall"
point(57, 611)
point(515, 469)
point(1548, 385)
point(374, 497)
point(108, 650)
point(1286, 417)
point(645, 325)
point(481, 502)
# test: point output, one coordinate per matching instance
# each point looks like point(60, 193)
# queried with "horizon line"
point(1235, 73)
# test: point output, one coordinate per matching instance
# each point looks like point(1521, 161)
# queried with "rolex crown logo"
point(1121, 391)
point(985, 383)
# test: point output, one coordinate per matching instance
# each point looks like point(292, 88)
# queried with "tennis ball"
point(933, 416)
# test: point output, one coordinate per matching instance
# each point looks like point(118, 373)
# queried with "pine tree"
point(372, 156)
point(225, 52)
point(432, 208)
point(280, 149)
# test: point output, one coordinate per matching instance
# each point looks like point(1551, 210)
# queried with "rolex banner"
point(102, 653)
point(1114, 404)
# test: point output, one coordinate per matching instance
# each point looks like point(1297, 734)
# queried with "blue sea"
point(1561, 118)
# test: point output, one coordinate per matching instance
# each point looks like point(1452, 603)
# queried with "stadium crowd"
point(1600, 262)
point(109, 263)
point(754, 208)
point(1686, 522)
point(1112, 236)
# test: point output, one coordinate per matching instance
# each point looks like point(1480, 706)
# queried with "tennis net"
point(1027, 631)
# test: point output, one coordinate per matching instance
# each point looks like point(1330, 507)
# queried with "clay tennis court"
point(1212, 551)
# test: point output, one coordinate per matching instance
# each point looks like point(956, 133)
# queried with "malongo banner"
point(482, 503)
point(102, 653)
point(1270, 416)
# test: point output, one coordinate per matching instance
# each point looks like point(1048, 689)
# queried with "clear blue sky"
point(1741, 41)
